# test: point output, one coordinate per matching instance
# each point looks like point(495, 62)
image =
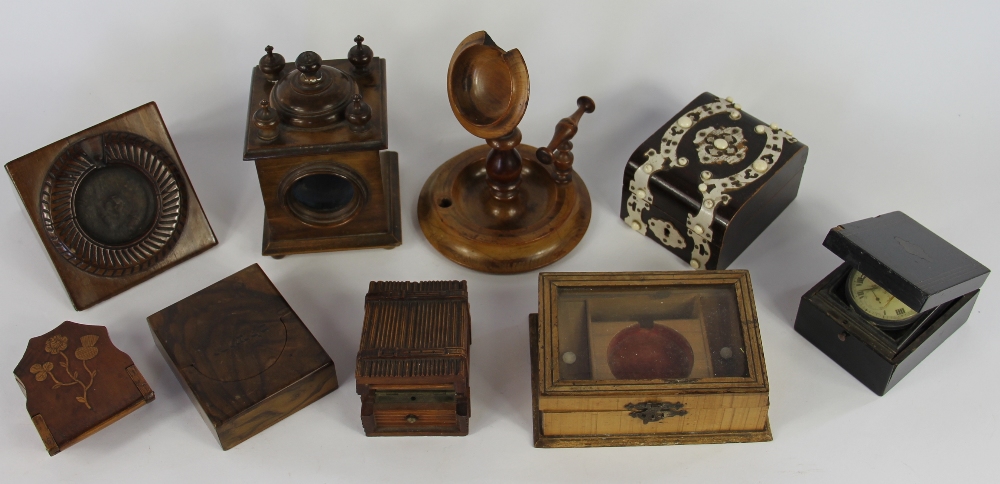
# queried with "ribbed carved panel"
point(415, 329)
point(399, 367)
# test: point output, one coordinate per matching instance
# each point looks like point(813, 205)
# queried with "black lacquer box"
point(901, 291)
point(708, 182)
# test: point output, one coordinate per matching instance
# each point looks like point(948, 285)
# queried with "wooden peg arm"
point(565, 130)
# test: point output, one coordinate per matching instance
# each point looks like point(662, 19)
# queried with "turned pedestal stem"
point(503, 165)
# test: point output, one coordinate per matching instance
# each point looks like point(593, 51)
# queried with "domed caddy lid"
point(313, 95)
point(315, 106)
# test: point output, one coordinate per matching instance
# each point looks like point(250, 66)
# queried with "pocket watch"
point(876, 304)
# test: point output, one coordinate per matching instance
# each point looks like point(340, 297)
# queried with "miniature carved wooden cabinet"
point(413, 364)
point(503, 207)
point(900, 292)
point(112, 205)
point(708, 182)
point(77, 382)
point(315, 129)
point(647, 358)
point(243, 356)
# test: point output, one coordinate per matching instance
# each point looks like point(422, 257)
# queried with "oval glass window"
point(322, 192)
point(324, 196)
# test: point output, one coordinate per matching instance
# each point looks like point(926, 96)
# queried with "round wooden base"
point(465, 223)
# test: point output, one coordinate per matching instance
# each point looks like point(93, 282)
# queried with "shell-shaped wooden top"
point(487, 86)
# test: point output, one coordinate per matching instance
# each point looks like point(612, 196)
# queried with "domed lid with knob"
point(314, 95)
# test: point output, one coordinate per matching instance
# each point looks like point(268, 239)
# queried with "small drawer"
point(421, 410)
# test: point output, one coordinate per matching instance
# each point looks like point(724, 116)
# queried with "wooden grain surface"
point(85, 289)
point(242, 354)
point(77, 382)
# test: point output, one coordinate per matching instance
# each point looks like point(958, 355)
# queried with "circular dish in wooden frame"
point(112, 204)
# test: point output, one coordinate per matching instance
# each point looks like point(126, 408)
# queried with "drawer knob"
point(655, 411)
point(411, 418)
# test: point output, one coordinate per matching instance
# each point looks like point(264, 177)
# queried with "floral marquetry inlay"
point(57, 345)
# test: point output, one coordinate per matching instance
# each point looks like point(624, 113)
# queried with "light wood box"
point(578, 402)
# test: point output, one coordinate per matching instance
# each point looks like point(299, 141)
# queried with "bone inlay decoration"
point(728, 146)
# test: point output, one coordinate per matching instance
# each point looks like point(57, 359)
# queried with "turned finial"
point(559, 151)
point(266, 121)
point(358, 114)
point(360, 55)
point(271, 64)
point(308, 63)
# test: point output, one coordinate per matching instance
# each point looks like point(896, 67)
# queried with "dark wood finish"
point(326, 118)
point(112, 205)
point(243, 356)
point(915, 266)
point(77, 382)
point(908, 260)
point(497, 208)
point(704, 203)
point(333, 138)
point(699, 410)
point(413, 363)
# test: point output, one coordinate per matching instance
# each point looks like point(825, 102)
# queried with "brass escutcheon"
point(655, 411)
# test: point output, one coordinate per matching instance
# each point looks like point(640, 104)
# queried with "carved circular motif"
point(247, 343)
point(112, 204)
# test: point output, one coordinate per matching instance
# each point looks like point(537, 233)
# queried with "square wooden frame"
point(85, 289)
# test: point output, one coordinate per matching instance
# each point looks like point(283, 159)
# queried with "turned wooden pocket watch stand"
point(504, 207)
point(315, 129)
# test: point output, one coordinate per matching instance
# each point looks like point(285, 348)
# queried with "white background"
point(897, 102)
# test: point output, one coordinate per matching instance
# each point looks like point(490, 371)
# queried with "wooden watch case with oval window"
point(316, 130)
point(113, 205)
point(647, 358)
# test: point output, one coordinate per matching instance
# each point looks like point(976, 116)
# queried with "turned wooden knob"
point(308, 63)
point(360, 55)
point(266, 120)
point(358, 114)
point(271, 64)
point(559, 150)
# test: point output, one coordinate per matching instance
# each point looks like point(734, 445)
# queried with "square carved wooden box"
point(647, 358)
point(413, 363)
point(112, 205)
point(243, 356)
